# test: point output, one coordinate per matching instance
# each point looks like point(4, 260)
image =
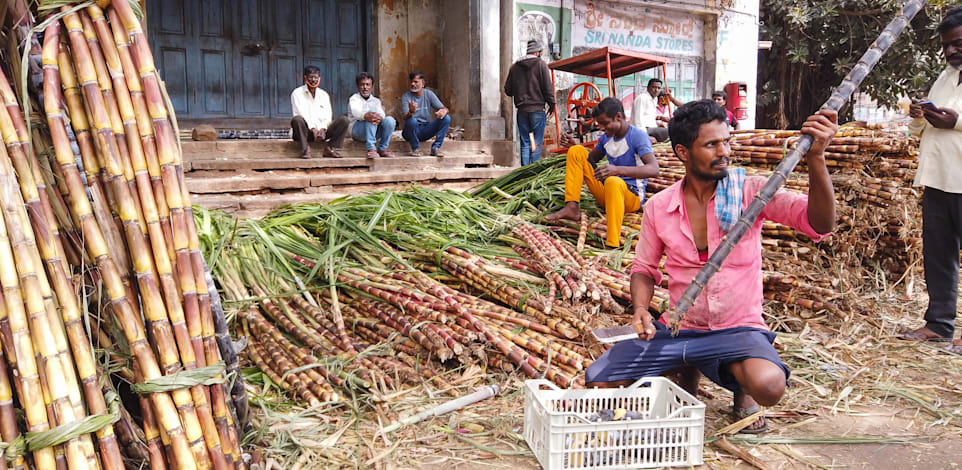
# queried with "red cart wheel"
point(582, 99)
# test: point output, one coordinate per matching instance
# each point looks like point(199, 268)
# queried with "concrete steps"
point(250, 177)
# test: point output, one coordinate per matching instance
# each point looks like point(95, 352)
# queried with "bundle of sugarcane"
point(121, 207)
point(385, 303)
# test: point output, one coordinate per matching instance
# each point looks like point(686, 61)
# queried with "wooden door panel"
point(287, 76)
point(253, 70)
point(173, 61)
point(347, 69)
point(251, 60)
point(242, 58)
point(285, 55)
point(173, 16)
point(214, 69)
point(214, 59)
point(348, 24)
point(315, 27)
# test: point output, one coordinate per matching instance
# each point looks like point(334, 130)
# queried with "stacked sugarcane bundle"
point(385, 324)
point(392, 287)
point(100, 265)
point(877, 234)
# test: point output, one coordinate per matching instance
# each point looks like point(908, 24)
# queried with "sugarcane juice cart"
point(606, 62)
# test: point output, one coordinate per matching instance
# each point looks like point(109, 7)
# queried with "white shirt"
point(940, 150)
point(357, 107)
point(316, 110)
point(644, 110)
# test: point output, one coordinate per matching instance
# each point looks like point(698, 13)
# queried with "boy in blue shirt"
point(618, 186)
point(417, 104)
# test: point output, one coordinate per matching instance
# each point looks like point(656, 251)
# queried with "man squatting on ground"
point(723, 335)
point(529, 83)
point(616, 185)
point(418, 103)
point(313, 116)
point(369, 122)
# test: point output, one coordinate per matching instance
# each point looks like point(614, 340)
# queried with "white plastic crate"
point(557, 428)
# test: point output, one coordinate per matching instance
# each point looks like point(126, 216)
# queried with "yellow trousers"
point(613, 195)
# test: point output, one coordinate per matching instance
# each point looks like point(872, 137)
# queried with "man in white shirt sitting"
point(313, 116)
point(369, 122)
point(645, 109)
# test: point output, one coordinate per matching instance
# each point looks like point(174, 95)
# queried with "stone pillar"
point(471, 69)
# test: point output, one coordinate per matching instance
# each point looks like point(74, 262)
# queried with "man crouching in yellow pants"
point(615, 186)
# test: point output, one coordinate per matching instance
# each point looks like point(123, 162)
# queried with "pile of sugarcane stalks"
point(399, 325)
point(878, 229)
point(100, 265)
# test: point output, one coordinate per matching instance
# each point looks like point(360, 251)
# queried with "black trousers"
point(941, 238)
point(334, 136)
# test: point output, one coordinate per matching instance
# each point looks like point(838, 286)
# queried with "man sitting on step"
point(418, 104)
point(723, 335)
point(313, 116)
point(618, 186)
point(369, 124)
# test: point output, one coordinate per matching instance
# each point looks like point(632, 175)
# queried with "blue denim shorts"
point(709, 351)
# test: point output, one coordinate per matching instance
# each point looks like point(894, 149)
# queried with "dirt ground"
point(852, 380)
point(930, 447)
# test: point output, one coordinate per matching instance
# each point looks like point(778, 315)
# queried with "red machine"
point(737, 99)
point(606, 62)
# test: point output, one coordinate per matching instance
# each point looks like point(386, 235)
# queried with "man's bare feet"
point(306, 154)
point(331, 153)
point(744, 406)
point(571, 211)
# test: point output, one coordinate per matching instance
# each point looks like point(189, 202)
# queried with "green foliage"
point(816, 42)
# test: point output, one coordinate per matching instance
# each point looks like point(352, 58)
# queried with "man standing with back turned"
point(529, 83)
point(936, 120)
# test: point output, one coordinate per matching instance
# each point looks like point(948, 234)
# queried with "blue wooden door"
point(240, 59)
point(334, 41)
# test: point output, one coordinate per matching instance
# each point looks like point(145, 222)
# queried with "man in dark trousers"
point(936, 120)
point(313, 116)
point(529, 83)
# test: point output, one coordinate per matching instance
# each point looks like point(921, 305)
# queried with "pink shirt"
point(733, 296)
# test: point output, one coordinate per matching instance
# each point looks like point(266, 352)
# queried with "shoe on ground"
point(436, 152)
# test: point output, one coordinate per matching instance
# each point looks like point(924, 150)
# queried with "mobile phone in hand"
point(927, 104)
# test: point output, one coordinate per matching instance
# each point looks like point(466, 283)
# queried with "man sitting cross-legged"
point(723, 335)
point(615, 186)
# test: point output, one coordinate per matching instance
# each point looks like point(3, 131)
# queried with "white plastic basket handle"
point(536, 384)
point(643, 382)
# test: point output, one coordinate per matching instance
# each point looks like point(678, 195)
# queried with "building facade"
point(233, 63)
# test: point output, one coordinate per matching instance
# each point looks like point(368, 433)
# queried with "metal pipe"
point(482, 393)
